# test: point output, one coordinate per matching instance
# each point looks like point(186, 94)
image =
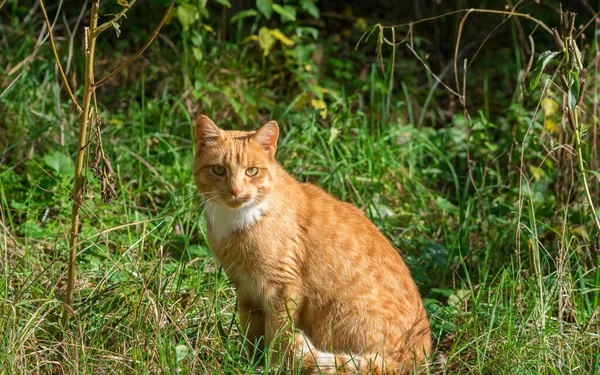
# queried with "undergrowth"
point(473, 177)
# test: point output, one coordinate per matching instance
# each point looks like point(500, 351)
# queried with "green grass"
point(509, 274)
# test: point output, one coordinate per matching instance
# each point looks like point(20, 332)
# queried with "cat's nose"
point(235, 192)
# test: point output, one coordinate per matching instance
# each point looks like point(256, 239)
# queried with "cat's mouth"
point(237, 202)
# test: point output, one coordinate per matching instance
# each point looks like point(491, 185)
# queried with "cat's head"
point(235, 168)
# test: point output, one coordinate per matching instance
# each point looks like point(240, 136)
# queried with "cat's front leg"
point(252, 318)
point(280, 321)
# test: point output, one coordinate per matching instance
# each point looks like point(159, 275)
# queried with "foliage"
point(482, 192)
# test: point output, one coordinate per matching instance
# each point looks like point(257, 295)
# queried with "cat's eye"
point(219, 170)
point(252, 171)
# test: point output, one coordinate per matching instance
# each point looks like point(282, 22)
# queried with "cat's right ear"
point(207, 132)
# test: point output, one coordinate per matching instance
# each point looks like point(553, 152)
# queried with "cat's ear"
point(206, 132)
point(266, 136)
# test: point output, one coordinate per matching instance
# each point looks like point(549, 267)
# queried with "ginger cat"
point(306, 266)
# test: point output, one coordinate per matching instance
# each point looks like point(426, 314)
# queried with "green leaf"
point(287, 13)
point(301, 31)
point(536, 74)
point(61, 163)
point(117, 28)
point(244, 14)
point(265, 7)
point(197, 53)
point(187, 15)
point(310, 8)
point(265, 40)
point(181, 351)
point(18, 205)
point(543, 60)
point(225, 3)
point(203, 11)
point(594, 173)
point(573, 90)
point(239, 110)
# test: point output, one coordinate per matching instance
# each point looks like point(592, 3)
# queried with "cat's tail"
point(312, 361)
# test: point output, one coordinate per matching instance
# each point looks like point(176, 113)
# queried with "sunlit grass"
point(508, 291)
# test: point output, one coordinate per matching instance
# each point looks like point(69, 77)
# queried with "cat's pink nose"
point(235, 192)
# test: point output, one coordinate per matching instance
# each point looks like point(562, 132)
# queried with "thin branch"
point(432, 73)
point(62, 72)
point(140, 51)
point(118, 16)
point(460, 30)
point(475, 10)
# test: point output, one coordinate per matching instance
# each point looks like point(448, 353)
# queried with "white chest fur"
point(224, 220)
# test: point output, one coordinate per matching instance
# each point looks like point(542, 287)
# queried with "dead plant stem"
point(90, 47)
point(141, 50)
point(60, 69)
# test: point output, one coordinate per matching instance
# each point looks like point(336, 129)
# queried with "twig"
point(433, 74)
point(140, 51)
point(460, 29)
point(582, 170)
point(117, 17)
point(391, 82)
point(62, 72)
point(475, 10)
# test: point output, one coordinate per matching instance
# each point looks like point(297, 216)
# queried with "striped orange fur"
point(307, 267)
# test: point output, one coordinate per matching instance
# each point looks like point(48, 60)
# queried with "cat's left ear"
point(267, 136)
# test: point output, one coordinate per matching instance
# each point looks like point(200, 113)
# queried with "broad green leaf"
point(244, 14)
point(18, 205)
point(187, 15)
point(381, 210)
point(224, 3)
point(536, 74)
point(181, 351)
point(310, 8)
point(197, 53)
point(60, 163)
point(287, 13)
point(202, 9)
point(265, 7)
point(573, 90)
point(265, 40)
point(543, 60)
point(459, 296)
point(277, 34)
